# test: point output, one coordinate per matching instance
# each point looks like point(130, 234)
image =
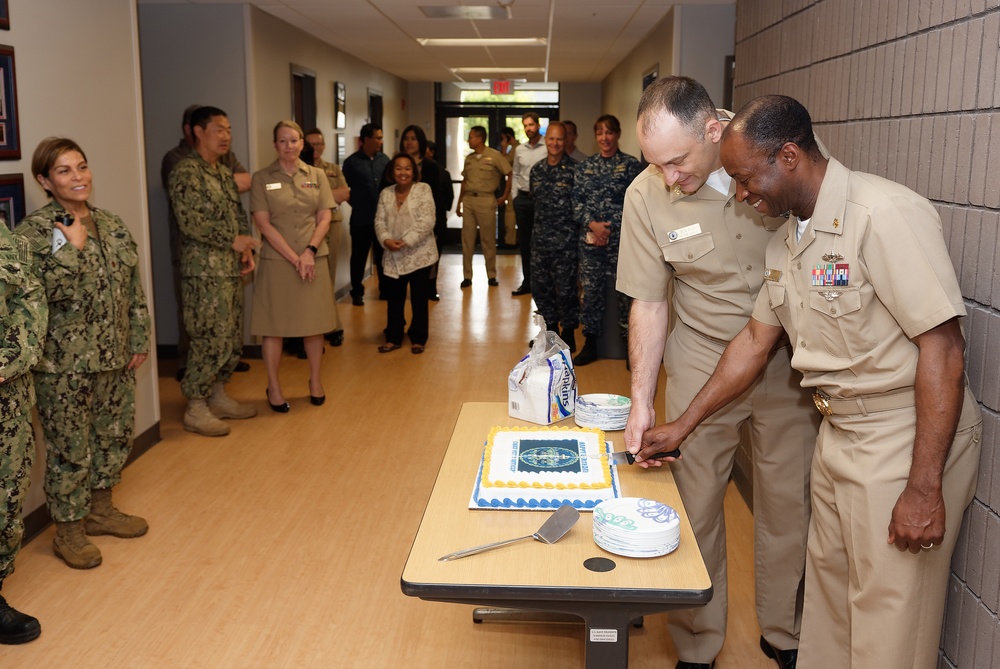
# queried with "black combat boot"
point(588, 353)
point(16, 627)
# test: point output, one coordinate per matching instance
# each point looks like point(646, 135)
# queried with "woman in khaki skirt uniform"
point(290, 203)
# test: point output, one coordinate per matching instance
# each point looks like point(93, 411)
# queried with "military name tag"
point(274, 186)
point(772, 275)
point(684, 233)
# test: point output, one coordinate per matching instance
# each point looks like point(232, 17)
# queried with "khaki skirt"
point(286, 306)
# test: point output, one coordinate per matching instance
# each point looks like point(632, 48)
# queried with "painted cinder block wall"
point(907, 89)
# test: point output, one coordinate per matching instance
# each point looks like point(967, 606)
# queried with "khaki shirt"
point(871, 272)
point(292, 201)
point(709, 245)
point(337, 180)
point(483, 171)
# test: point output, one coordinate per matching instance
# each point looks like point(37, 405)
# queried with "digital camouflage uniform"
point(553, 244)
point(210, 217)
point(600, 196)
point(167, 165)
point(97, 321)
point(23, 318)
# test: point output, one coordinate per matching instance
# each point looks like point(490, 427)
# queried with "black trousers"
point(524, 214)
point(363, 240)
point(395, 292)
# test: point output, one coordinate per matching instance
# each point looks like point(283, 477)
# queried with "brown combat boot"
point(72, 545)
point(224, 406)
point(104, 518)
point(198, 418)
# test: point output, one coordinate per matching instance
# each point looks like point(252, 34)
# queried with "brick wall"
point(908, 89)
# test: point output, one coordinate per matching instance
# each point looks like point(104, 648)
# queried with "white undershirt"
point(801, 228)
point(720, 181)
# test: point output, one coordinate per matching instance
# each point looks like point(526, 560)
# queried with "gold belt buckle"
point(823, 404)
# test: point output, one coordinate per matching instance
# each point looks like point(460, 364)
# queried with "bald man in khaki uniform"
point(861, 282)
point(477, 203)
point(687, 236)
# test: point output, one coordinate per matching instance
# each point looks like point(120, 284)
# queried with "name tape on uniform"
point(274, 186)
point(684, 233)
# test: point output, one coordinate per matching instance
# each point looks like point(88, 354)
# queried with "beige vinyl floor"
point(282, 544)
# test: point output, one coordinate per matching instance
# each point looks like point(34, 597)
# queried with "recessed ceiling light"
point(484, 42)
point(469, 12)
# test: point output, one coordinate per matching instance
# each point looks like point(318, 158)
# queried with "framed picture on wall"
point(339, 105)
point(11, 199)
point(4, 15)
point(341, 148)
point(10, 137)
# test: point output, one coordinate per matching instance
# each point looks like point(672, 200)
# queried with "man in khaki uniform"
point(683, 234)
point(477, 204)
point(341, 193)
point(861, 281)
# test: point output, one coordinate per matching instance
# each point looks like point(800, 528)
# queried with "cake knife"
point(625, 458)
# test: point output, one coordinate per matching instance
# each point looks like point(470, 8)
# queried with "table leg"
point(606, 641)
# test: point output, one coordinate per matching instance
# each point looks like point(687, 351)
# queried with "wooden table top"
point(531, 569)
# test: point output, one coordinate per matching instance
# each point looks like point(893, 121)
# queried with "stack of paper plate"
point(602, 411)
point(636, 527)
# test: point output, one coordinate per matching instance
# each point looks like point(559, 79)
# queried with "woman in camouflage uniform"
point(22, 325)
point(98, 334)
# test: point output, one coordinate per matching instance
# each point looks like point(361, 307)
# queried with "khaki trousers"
point(781, 422)
point(333, 241)
point(868, 605)
point(479, 216)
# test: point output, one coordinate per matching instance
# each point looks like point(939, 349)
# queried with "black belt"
point(524, 193)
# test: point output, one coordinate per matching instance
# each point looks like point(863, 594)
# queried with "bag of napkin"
point(542, 386)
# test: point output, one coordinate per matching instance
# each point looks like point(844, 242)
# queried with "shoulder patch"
point(23, 250)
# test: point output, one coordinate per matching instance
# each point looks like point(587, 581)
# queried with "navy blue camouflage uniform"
point(554, 244)
point(599, 195)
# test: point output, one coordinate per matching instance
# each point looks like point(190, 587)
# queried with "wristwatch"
point(312, 248)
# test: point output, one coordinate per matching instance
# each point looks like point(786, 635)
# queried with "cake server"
point(551, 531)
point(626, 458)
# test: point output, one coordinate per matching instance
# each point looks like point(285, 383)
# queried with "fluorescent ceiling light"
point(484, 42)
point(497, 70)
point(470, 12)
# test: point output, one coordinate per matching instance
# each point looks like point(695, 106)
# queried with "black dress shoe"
point(493, 282)
point(242, 366)
point(521, 290)
point(16, 627)
point(357, 300)
point(786, 659)
point(434, 297)
point(317, 401)
point(277, 408)
point(466, 283)
point(681, 664)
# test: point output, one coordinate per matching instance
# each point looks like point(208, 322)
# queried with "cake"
point(544, 468)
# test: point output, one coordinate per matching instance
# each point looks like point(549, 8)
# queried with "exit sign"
point(501, 86)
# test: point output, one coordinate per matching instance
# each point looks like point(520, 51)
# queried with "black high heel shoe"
point(277, 408)
point(316, 401)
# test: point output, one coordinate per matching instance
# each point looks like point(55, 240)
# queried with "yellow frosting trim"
point(488, 459)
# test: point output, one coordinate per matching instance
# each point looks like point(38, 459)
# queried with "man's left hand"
point(917, 520)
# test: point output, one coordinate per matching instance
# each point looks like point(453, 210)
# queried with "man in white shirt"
point(525, 157)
